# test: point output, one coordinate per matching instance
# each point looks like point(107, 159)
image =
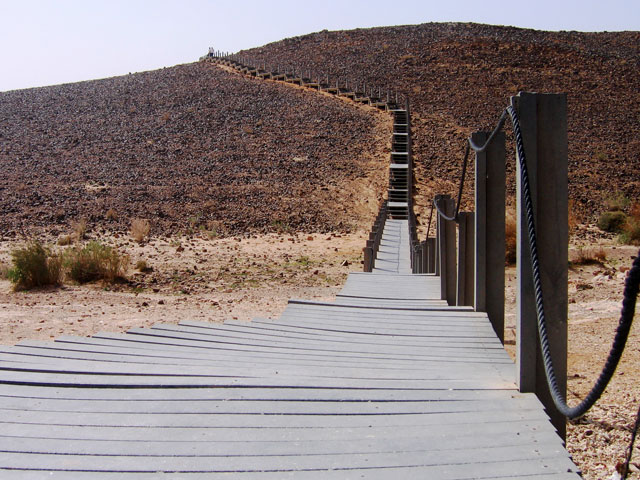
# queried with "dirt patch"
point(191, 277)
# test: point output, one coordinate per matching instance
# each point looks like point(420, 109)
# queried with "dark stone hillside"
point(459, 77)
point(191, 146)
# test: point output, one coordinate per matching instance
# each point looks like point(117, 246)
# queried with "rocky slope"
point(459, 78)
point(187, 147)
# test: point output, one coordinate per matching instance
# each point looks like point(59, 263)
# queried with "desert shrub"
point(34, 266)
point(634, 210)
point(631, 232)
point(510, 236)
point(139, 229)
point(143, 266)
point(79, 228)
point(4, 271)
point(612, 221)
point(589, 256)
point(617, 202)
point(95, 261)
point(111, 215)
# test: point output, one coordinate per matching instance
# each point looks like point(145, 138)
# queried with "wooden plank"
point(110, 352)
point(47, 420)
point(258, 393)
point(528, 471)
point(439, 434)
point(364, 339)
point(221, 351)
point(230, 406)
point(224, 447)
point(471, 372)
point(158, 381)
point(468, 460)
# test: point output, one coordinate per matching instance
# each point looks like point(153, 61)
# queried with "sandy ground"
point(191, 277)
point(214, 279)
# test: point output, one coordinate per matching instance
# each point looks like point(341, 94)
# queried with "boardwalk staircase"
point(401, 169)
point(392, 379)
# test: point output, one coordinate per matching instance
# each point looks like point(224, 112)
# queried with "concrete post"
point(490, 233)
point(543, 120)
point(447, 245)
point(466, 253)
point(424, 267)
point(368, 258)
point(431, 255)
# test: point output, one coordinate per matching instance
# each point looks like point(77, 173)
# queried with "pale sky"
point(59, 41)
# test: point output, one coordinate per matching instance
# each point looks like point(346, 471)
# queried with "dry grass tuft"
point(65, 240)
point(79, 228)
point(4, 271)
point(589, 256)
point(95, 262)
point(34, 266)
point(140, 229)
point(143, 266)
point(631, 232)
point(111, 215)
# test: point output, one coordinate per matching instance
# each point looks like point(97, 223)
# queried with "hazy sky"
point(58, 41)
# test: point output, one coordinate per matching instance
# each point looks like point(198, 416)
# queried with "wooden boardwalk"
point(385, 382)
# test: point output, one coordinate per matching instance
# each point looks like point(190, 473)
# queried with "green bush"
point(34, 266)
point(631, 232)
point(95, 262)
point(612, 221)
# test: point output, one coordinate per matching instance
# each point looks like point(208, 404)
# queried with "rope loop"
point(470, 145)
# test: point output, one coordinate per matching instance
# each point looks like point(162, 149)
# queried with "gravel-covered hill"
point(459, 78)
point(186, 147)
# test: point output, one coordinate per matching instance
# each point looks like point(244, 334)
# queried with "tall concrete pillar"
point(490, 229)
point(543, 120)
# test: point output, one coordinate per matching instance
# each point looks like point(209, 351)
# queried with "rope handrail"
point(632, 286)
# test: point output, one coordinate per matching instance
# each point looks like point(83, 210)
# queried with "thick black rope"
point(470, 146)
point(429, 224)
point(454, 217)
point(626, 317)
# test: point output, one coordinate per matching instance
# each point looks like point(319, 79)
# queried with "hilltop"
point(459, 78)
